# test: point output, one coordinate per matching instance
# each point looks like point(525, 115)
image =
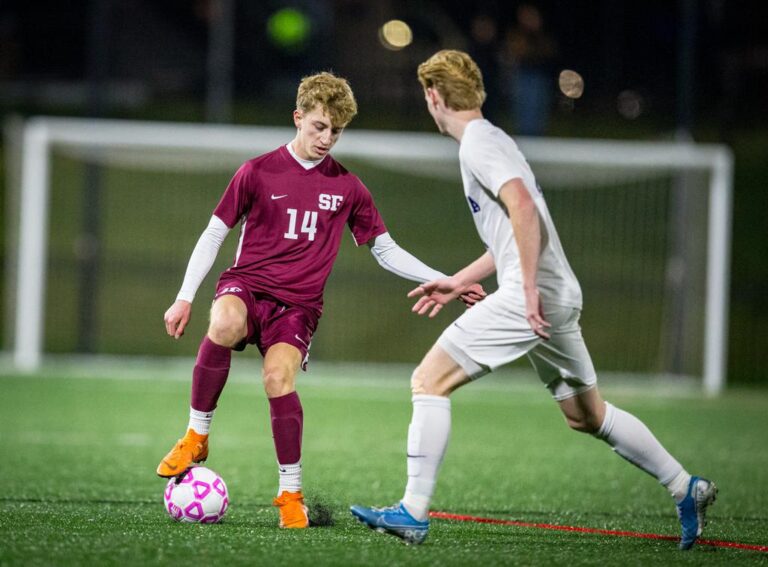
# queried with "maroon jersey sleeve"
point(236, 200)
point(365, 222)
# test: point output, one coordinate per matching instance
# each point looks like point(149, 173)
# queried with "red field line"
point(619, 533)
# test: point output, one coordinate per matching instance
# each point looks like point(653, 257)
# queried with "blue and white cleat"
point(394, 520)
point(692, 509)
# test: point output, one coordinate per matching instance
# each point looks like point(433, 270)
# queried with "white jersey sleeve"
point(203, 257)
point(492, 161)
point(396, 260)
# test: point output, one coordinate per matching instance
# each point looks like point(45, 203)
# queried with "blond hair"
point(456, 77)
point(332, 93)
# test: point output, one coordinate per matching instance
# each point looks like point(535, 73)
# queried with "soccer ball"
point(199, 496)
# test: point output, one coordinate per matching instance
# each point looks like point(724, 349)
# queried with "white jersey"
point(489, 158)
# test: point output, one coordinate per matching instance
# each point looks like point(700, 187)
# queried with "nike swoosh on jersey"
point(275, 197)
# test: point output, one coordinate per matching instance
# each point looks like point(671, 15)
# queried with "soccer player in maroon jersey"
point(292, 205)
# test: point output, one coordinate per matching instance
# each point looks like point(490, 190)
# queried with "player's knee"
point(586, 423)
point(423, 383)
point(228, 336)
point(278, 380)
point(417, 383)
point(226, 329)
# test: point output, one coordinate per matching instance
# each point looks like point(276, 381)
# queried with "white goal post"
point(41, 134)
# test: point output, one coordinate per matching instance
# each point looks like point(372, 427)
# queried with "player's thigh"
point(229, 316)
point(280, 324)
point(438, 374)
point(563, 362)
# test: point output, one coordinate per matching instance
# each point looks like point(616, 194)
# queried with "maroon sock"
point(287, 425)
point(210, 374)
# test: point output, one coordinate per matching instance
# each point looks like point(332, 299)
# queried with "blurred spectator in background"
point(484, 49)
point(530, 52)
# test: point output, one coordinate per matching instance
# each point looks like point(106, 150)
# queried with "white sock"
point(200, 421)
point(678, 486)
point(290, 478)
point(631, 439)
point(428, 436)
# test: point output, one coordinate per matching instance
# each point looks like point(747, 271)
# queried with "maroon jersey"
point(292, 220)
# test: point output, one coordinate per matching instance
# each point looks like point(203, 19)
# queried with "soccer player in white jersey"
point(534, 312)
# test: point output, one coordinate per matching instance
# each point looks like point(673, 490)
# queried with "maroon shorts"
point(271, 322)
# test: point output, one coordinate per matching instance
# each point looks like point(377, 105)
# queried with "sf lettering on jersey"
point(329, 202)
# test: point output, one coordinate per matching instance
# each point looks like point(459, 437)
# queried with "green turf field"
point(80, 448)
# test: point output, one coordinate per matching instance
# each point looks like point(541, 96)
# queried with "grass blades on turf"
point(79, 454)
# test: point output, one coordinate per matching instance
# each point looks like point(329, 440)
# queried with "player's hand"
point(535, 314)
point(433, 295)
point(472, 294)
point(177, 317)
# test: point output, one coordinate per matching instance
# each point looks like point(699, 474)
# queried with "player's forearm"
point(400, 262)
point(202, 258)
point(477, 271)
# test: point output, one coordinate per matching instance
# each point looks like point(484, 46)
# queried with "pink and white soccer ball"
point(200, 497)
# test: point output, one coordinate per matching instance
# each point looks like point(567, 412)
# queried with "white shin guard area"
point(428, 436)
point(632, 439)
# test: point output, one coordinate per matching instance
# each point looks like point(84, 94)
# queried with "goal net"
point(107, 213)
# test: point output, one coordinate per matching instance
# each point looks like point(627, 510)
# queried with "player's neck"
point(457, 121)
point(305, 162)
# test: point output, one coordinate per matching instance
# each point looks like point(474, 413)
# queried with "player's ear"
point(297, 116)
point(431, 95)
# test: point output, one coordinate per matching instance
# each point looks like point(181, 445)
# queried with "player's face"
point(316, 133)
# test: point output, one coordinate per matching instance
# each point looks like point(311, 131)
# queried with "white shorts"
point(495, 332)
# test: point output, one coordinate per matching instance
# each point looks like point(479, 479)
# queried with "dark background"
point(694, 69)
point(156, 51)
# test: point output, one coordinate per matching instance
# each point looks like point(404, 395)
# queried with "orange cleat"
point(192, 448)
point(293, 512)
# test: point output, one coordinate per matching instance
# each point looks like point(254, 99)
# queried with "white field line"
point(247, 370)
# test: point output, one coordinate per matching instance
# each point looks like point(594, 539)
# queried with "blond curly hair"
point(456, 77)
point(332, 93)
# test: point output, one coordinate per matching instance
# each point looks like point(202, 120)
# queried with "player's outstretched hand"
point(433, 295)
point(472, 294)
point(177, 317)
point(535, 314)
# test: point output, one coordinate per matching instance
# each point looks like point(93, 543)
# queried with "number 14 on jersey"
point(308, 224)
